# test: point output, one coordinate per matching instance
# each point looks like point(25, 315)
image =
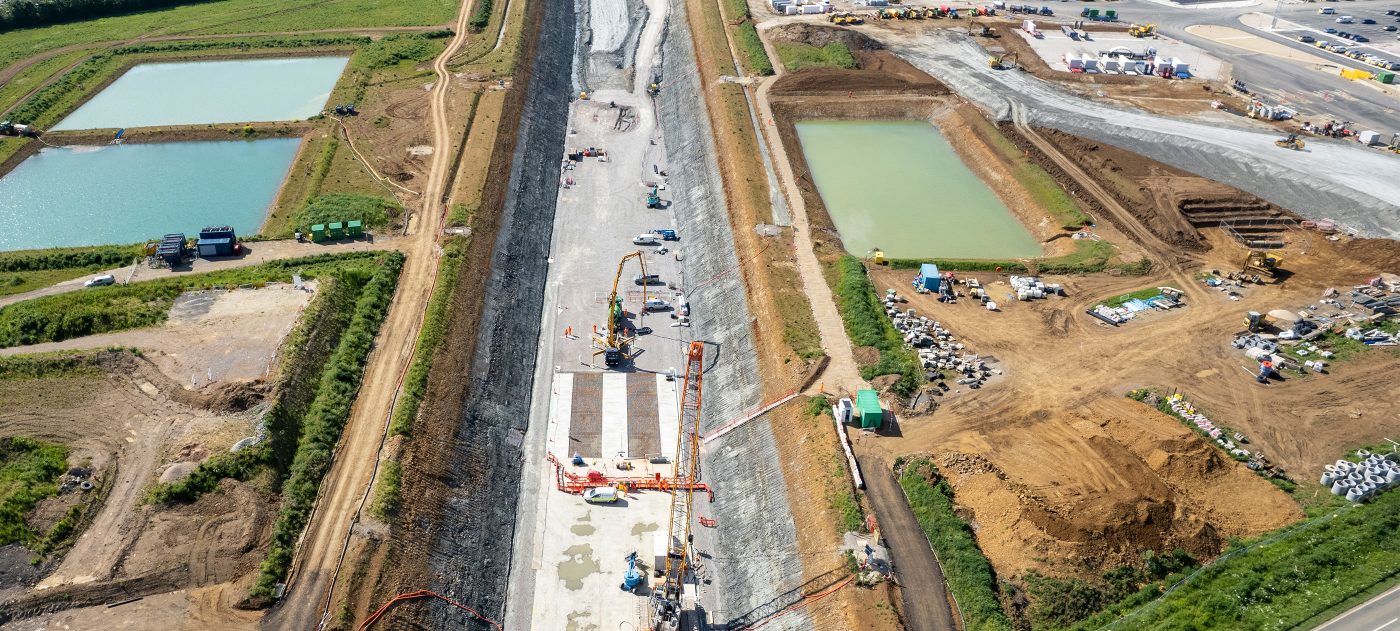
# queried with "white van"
point(1345, 19)
point(682, 306)
point(1326, 11)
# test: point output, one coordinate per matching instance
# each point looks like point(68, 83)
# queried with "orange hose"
point(422, 593)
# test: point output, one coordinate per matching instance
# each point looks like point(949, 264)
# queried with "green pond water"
point(130, 193)
point(200, 92)
point(898, 186)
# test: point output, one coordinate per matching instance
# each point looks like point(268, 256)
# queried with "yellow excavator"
point(1291, 141)
point(1003, 61)
point(1262, 263)
point(1142, 30)
point(613, 343)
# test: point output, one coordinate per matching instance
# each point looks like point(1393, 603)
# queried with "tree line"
point(17, 14)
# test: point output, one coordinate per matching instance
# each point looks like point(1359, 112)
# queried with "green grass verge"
point(29, 471)
point(415, 383)
point(1057, 603)
point(966, 569)
point(867, 325)
point(751, 51)
point(1342, 347)
point(373, 212)
point(1043, 188)
point(797, 56)
point(88, 257)
point(386, 491)
point(226, 17)
point(1140, 294)
point(1088, 257)
point(481, 16)
point(36, 75)
point(1284, 578)
point(322, 425)
point(53, 364)
point(119, 307)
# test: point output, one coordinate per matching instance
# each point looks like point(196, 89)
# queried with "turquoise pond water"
point(899, 186)
point(130, 193)
point(200, 92)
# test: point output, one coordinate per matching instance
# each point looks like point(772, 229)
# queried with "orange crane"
point(613, 344)
point(667, 603)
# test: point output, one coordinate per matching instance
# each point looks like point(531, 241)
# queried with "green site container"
point(1110, 13)
point(869, 414)
point(336, 230)
point(1093, 13)
point(318, 232)
point(354, 229)
point(1385, 77)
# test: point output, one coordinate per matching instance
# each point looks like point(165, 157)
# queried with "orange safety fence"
point(574, 483)
point(422, 593)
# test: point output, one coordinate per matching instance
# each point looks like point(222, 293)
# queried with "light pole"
point(1273, 26)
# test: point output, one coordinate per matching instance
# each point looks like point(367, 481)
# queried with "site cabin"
point(868, 413)
point(216, 241)
point(928, 277)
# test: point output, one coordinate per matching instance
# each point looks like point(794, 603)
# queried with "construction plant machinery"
point(844, 17)
point(1003, 61)
point(1142, 30)
point(1261, 263)
point(1291, 141)
point(674, 596)
point(613, 343)
point(654, 197)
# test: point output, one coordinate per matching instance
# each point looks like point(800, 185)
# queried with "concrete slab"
point(612, 416)
point(1055, 45)
point(614, 430)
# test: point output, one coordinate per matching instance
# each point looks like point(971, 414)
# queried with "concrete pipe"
point(1392, 476)
point(1356, 475)
point(1340, 487)
point(1330, 468)
point(1355, 494)
point(1362, 453)
point(1393, 457)
point(1343, 465)
point(1326, 478)
point(1375, 480)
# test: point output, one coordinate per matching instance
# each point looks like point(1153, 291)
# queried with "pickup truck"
point(666, 234)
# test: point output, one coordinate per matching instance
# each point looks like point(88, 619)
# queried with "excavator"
point(1142, 30)
point(1004, 61)
point(1262, 263)
point(1291, 141)
point(613, 343)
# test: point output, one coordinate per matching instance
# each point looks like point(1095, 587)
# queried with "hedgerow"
point(867, 325)
point(415, 384)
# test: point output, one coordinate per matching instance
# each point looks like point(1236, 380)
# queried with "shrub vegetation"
point(29, 471)
point(868, 325)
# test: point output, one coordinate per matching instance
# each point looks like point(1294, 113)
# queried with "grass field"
point(29, 470)
point(797, 56)
point(229, 16)
point(481, 53)
point(36, 75)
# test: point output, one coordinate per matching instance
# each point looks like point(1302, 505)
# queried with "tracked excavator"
point(1291, 141)
point(613, 343)
point(1003, 61)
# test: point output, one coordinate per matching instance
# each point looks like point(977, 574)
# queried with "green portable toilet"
point(1111, 14)
point(1093, 14)
point(869, 414)
point(318, 232)
point(336, 230)
point(354, 229)
point(1385, 77)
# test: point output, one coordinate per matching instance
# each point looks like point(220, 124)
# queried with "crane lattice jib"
point(687, 472)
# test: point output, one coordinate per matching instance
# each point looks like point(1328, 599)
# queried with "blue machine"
point(928, 277)
point(632, 578)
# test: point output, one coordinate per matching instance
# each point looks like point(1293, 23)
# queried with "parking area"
point(1373, 26)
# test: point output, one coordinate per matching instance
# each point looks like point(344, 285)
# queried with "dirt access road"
point(344, 491)
point(920, 577)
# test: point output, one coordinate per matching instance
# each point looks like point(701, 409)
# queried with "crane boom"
point(612, 344)
point(666, 598)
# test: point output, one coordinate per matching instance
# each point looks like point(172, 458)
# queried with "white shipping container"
point(1367, 137)
point(790, 9)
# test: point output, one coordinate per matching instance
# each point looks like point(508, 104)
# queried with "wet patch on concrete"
point(642, 529)
point(580, 565)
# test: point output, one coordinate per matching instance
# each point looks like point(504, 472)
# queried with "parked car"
point(601, 495)
point(1389, 29)
point(646, 239)
point(657, 304)
point(1368, 21)
point(101, 281)
point(1306, 39)
point(1331, 31)
point(1360, 38)
point(646, 279)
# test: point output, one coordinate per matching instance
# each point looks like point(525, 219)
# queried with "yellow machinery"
point(653, 89)
point(667, 599)
point(844, 17)
point(1142, 30)
point(1002, 61)
point(1262, 263)
point(612, 343)
point(1291, 141)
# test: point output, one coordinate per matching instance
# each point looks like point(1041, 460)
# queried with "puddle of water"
point(199, 92)
point(583, 530)
point(642, 529)
point(130, 193)
point(899, 186)
point(580, 565)
point(576, 622)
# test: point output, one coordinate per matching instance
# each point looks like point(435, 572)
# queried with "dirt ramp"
point(819, 36)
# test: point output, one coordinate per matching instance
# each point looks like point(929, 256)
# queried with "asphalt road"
point(924, 593)
point(1279, 80)
point(1381, 613)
